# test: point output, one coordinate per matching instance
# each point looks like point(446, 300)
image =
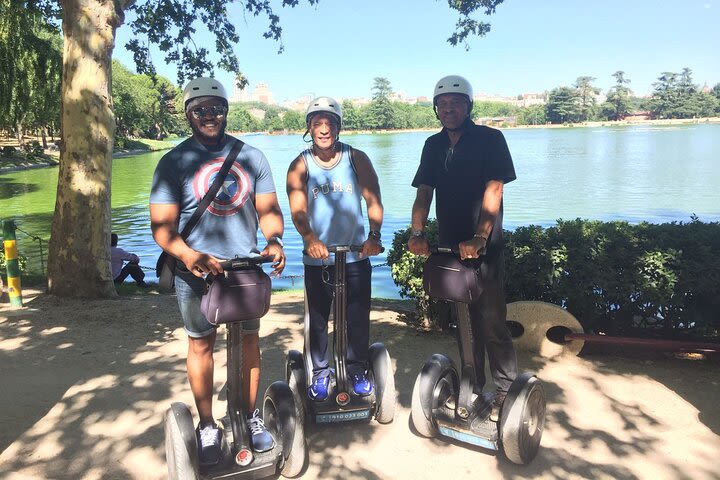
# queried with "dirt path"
point(85, 385)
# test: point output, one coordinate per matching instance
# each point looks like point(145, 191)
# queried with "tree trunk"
point(19, 133)
point(79, 249)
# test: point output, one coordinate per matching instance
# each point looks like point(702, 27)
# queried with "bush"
point(33, 148)
point(120, 143)
point(616, 278)
point(406, 270)
point(8, 151)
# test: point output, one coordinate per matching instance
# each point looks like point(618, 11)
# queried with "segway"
point(444, 402)
point(342, 404)
point(238, 460)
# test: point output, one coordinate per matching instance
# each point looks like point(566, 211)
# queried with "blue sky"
point(339, 46)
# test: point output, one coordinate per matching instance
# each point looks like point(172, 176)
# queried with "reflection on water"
point(635, 173)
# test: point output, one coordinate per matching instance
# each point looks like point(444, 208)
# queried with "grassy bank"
point(15, 157)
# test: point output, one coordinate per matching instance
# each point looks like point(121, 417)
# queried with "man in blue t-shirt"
point(468, 165)
point(228, 228)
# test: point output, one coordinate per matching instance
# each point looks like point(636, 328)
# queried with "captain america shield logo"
point(233, 193)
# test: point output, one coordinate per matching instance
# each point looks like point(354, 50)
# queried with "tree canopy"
point(78, 260)
point(30, 68)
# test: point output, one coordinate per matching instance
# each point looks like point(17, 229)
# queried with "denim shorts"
point(189, 290)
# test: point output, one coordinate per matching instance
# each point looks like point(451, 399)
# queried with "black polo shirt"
point(459, 177)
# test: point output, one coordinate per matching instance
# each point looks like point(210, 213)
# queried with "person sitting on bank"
point(117, 257)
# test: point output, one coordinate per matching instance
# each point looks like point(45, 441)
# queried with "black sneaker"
point(497, 406)
point(208, 439)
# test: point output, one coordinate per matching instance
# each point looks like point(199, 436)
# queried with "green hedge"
point(616, 278)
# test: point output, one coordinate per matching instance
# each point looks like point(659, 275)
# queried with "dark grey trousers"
point(319, 293)
point(488, 316)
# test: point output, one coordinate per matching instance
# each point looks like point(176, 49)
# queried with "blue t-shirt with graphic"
point(228, 228)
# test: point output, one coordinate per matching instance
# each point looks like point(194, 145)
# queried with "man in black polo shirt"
point(468, 165)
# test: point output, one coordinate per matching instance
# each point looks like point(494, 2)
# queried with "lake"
point(635, 173)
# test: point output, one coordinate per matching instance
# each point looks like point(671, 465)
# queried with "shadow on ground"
point(85, 384)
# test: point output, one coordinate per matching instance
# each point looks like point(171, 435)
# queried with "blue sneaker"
point(208, 440)
point(260, 438)
point(362, 385)
point(318, 391)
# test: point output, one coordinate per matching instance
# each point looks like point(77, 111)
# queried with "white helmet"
point(453, 84)
point(324, 104)
point(203, 87)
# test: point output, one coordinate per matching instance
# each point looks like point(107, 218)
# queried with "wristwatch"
point(277, 240)
point(417, 233)
point(375, 234)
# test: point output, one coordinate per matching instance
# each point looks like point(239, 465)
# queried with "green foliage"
point(532, 115)
point(715, 92)
point(676, 96)
point(617, 106)
point(30, 67)
point(563, 106)
point(494, 109)
point(466, 25)
point(240, 120)
point(144, 144)
point(145, 106)
point(586, 94)
point(381, 114)
point(406, 268)
point(293, 121)
point(616, 278)
point(22, 262)
point(8, 151)
point(33, 148)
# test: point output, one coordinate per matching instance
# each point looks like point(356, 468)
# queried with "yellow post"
point(11, 263)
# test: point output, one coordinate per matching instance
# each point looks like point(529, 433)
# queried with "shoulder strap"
point(350, 157)
point(213, 190)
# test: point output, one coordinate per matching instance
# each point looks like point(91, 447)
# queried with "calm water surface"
point(635, 173)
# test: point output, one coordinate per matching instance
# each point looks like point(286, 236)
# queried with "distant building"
point(527, 99)
point(239, 94)
point(484, 97)
point(299, 105)
point(358, 102)
point(262, 94)
point(496, 121)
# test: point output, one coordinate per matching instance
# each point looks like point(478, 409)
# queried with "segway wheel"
point(282, 420)
point(381, 365)
point(523, 419)
point(181, 452)
point(296, 382)
point(435, 383)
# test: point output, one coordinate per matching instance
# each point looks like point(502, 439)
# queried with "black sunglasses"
point(215, 111)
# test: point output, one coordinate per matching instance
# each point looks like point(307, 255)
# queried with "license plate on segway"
point(466, 437)
point(342, 416)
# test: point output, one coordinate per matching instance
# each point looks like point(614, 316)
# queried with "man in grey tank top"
point(326, 184)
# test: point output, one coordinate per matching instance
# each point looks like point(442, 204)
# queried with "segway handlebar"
point(344, 248)
point(455, 250)
point(239, 263)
